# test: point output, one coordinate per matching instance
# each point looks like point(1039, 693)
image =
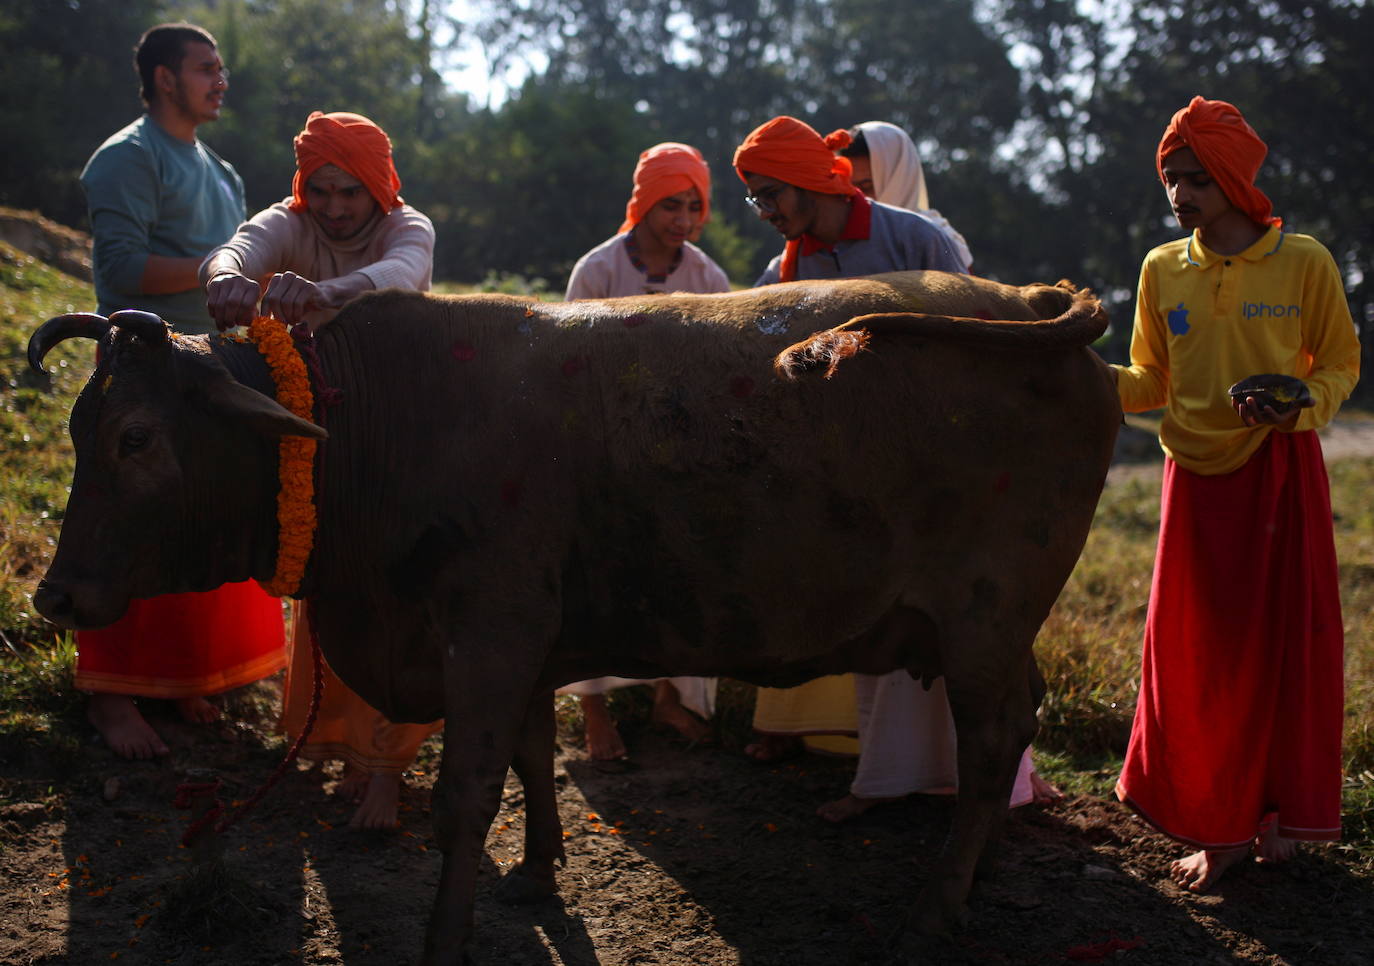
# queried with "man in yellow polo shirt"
point(1237, 733)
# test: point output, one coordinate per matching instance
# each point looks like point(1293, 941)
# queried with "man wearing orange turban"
point(1236, 743)
point(798, 185)
point(652, 251)
point(345, 230)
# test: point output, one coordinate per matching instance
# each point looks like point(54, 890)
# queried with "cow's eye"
point(132, 439)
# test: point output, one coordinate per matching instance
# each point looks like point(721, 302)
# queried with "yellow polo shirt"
point(1205, 321)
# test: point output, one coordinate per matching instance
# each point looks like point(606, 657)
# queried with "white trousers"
point(907, 742)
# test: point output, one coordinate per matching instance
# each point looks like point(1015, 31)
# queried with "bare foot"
point(603, 740)
point(1042, 792)
point(352, 786)
point(1200, 871)
point(380, 801)
point(851, 806)
point(122, 726)
point(197, 710)
point(768, 748)
point(668, 710)
point(1270, 846)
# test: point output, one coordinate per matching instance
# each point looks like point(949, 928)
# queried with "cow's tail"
point(1081, 320)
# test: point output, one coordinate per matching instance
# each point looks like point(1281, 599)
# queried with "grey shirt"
point(898, 240)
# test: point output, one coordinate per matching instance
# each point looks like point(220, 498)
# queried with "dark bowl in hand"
point(1279, 393)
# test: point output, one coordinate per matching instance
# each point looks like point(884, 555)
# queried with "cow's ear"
point(229, 397)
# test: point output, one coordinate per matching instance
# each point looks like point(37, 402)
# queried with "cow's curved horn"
point(84, 325)
point(145, 325)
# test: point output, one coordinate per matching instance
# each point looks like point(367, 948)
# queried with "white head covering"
point(897, 176)
point(899, 180)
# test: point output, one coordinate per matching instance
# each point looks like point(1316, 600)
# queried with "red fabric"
point(185, 645)
point(1241, 697)
point(353, 143)
point(663, 170)
point(1228, 148)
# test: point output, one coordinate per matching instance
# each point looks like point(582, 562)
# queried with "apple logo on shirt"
point(1178, 320)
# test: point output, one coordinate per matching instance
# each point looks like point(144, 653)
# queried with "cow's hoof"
point(521, 886)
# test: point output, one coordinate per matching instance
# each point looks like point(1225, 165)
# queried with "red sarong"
point(185, 645)
point(1242, 697)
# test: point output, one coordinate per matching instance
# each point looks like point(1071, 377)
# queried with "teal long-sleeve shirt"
point(149, 193)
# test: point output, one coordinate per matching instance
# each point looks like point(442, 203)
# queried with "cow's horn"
point(86, 325)
point(145, 325)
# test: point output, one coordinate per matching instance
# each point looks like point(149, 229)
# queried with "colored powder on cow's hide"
point(741, 387)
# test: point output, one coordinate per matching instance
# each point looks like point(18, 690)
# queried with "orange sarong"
point(185, 645)
point(347, 728)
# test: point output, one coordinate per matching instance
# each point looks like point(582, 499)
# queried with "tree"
point(69, 83)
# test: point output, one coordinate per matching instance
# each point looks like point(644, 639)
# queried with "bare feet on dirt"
point(377, 795)
point(1200, 871)
point(353, 785)
point(766, 748)
point(380, 802)
point(1042, 792)
point(603, 740)
point(668, 710)
point(1270, 846)
point(123, 727)
point(197, 710)
point(851, 806)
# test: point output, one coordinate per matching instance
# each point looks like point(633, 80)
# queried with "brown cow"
point(514, 496)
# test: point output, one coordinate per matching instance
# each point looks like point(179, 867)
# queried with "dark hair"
point(858, 144)
point(165, 46)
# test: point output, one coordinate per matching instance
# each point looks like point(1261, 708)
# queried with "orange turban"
point(663, 170)
point(1227, 147)
point(792, 152)
point(350, 142)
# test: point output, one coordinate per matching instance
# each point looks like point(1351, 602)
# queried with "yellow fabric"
point(1277, 307)
point(824, 706)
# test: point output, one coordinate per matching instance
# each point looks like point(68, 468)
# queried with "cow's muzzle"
point(59, 605)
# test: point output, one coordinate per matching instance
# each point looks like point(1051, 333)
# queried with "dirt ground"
point(692, 856)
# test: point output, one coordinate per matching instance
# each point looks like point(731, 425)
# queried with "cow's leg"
point(487, 693)
point(994, 719)
point(533, 878)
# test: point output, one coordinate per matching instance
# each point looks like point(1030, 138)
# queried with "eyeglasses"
point(765, 202)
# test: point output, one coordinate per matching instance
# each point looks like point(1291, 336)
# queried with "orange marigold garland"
point(296, 498)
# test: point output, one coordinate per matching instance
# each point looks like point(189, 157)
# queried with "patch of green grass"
point(40, 711)
point(36, 459)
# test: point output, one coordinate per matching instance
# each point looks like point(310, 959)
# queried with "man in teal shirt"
point(159, 202)
point(159, 199)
